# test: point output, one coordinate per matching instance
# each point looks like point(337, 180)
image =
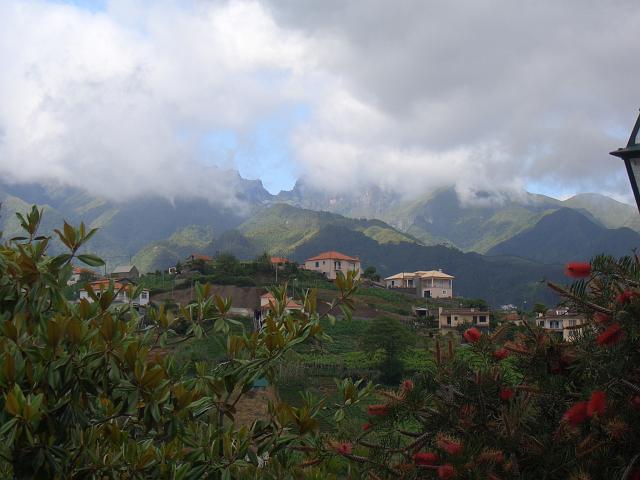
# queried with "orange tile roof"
point(279, 260)
point(291, 304)
point(332, 255)
point(199, 256)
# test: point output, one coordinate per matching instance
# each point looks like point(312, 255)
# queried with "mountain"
point(609, 212)
point(567, 234)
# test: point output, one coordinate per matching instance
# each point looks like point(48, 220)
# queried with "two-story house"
point(449, 318)
point(123, 287)
point(427, 283)
point(125, 271)
point(329, 263)
point(562, 322)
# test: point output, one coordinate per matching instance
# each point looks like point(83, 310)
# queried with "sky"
point(127, 98)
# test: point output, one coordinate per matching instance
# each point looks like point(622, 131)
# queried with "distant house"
point(125, 271)
point(197, 257)
point(78, 272)
point(562, 322)
point(513, 317)
point(454, 317)
point(279, 262)
point(329, 263)
point(268, 303)
point(123, 287)
point(428, 284)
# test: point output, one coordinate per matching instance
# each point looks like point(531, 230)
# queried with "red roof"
point(279, 260)
point(291, 304)
point(82, 269)
point(199, 256)
point(333, 256)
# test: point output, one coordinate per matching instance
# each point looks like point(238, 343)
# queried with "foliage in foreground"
point(86, 389)
point(535, 407)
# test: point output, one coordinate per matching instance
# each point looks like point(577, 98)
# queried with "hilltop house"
point(268, 302)
point(453, 317)
point(125, 271)
point(123, 287)
point(329, 263)
point(279, 262)
point(562, 322)
point(427, 284)
point(78, 272)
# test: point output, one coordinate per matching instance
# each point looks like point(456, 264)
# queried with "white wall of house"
point(121, 297)
point(329, 267)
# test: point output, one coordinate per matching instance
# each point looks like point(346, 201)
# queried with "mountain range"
point(498, 248)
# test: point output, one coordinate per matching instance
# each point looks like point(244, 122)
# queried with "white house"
point(428, 284)
point(123, 287)
point(330, 263)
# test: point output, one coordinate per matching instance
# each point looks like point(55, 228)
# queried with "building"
point(454, 317)
point(329, 263)
point(78, 272)
point(122, 287)
point(279, 262)
point(562, 322)
point(198, 257)
point(427, 284)
point(267, 303)
point(125, 271)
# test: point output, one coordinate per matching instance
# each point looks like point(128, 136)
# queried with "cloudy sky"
point(131, 97)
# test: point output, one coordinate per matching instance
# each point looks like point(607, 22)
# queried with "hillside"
point(568, 234)
point(498, 280)
point(609, 212)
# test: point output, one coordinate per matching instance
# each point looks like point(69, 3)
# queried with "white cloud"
point(408, 96)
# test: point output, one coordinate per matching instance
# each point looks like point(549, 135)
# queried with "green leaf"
point(91, 260)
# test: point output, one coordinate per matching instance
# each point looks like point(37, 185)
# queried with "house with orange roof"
point(279, 262)
point(77, 273)
point(427, 283)
point(123, 289)
point(268, 303)
point(330, 263)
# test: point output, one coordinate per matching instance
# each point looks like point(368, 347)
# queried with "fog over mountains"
point(524, 238)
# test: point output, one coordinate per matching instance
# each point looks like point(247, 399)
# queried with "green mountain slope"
point(567, 234)
point(609, 212)
point(281, 228)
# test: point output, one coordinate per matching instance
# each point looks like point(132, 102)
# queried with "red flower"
point(611, 335)
point(626, 296)
point(344, 448)
point(427, 458)
point(634, 475)
point(597, 403)
point(635, 402)
point(577, 269)
point(576, 414)
point(452, 448)
point(407, 385)
point(446, 471)
point(602, 318)
point(366, 426)
point(377, 409)
point(501, 354)
point(506, 394)
point(472, 335)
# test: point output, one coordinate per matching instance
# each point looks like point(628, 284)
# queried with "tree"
point(371, 273)
point(227, 263)
point(540, 308)
point(86, 392)
point(530, 408)
point(390, 336)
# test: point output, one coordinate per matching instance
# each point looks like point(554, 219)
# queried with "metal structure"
point(631, 156)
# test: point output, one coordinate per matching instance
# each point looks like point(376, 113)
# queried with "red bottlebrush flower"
point(344, 448)
point(612, 335)
point(635, 402)
point(452, 448)
point(501, 354)
point(366, 427)
point(634, 475)
point(407, 385)
point(472, 335)
point(506, 394)
point(425, 458)
point(597, 403)
point(446, 471)
point(626, 296)
point(602, 318)
point(576, 414)
point(377, 410)
point(577, 269)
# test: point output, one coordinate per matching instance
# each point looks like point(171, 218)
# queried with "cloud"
point(489, 96)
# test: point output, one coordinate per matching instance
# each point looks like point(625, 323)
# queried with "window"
point(554, 324)
point(541, 323)
point(482, 319)
point(98, 294)
point(444, 291)
point(393, 283)
point(449, 320)
point(144, 295)
point(337, 265)
point(455, 318)
point(475, 319)
point(318, 264)
point(410, 283)
point(572, 323)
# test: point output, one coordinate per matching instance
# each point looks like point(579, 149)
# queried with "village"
point(428, 298)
